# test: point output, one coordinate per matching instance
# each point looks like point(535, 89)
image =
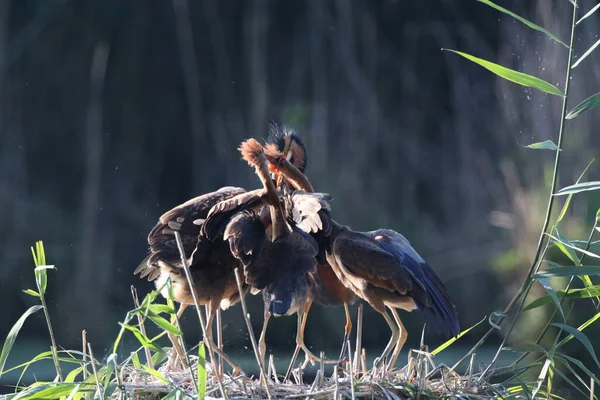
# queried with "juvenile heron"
point(382, 268)
point(211, 262)
point(277, 261)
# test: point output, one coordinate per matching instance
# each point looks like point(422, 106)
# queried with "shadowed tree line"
point(112, 112)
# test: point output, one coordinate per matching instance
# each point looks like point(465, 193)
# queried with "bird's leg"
point(177, 352)
point(262, 341)
point(393, 340)
point(212, 311)
point(300, 325)
point(309, 356)
point(347, 331)
point(401, 340)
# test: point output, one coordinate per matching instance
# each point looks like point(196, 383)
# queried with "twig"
point(357, 355)
point(84, 345)
point(272, 368)
point(93, 360)
point(350, 365)
point(251, 332)
point(136, 303)
point(321, 368)
point(188, 275)
point(220, 338)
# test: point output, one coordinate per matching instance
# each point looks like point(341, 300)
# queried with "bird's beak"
point(279, 181)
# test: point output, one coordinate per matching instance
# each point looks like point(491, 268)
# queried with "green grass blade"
point(567, 272)
point(572, 294)
point(546, 284)
point(12, 335)
point(201, 371)
point(580, 365)
point(163, 323)
point(588, 13)
point(31, 292)
point(568, 201)
point(524, 21)
point(161, 308)
point(555, 370)
point(447, 343)
point(45, 390)
point(586, 105)
point(512, 75)
point(566, 243)
point(580, 328)
point(578, 188)
point(545, 145)
point(581, 337)
point(156, 374)
point(587, 53)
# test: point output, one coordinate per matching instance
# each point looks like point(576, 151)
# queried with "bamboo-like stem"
point(53, 347)
point(525, 287)
point(188, 275)
point(136, 303)
point(251, 333)
point(359, 327)
point(84, 346)
point(93, 360)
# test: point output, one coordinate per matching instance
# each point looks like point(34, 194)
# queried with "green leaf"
point(570, 245)
point(545, 145)
point(523, 20)
point(580, 365)
point(571, 294)
point(586, 105)
point(581, 337)
point(566, 272)
point(156, 374)
point(579, 187)
point(500, 316)
point(161, 308)
point(141, 337)
point(512, 75)
point(546, 284)
point(588, 13)
point(587, 53)
point(12, 335)
point(46, 390)
point(553, 370)
point(568, 201)
point(163, 323)
point(31, 292)
point(202, 371)
point(580, 328)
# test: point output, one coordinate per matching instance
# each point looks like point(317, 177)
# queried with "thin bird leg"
point(401, 340)
point(209, 332)
point(309, 356)
point(177, 352)
point(301, 325)
point(347, 331)
point(393, 340)
point(262, 341)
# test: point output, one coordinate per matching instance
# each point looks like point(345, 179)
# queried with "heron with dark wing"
point(382, 268)
point(287, 159)
point(211, 263)
point(277, 261)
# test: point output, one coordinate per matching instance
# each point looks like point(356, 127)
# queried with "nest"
point(420, 378)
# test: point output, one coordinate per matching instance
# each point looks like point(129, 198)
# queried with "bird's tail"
point(441, 313)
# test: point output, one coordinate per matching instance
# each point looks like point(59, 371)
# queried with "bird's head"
point(288, 144)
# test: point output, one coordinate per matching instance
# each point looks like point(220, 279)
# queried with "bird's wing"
point(246, 235)
point(221, 213)
point(187, 219)
point(306, 210)
point(437, 308)
point(364, 258)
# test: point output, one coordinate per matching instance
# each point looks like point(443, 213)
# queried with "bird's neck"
point(278, 225)
point(294, 176)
